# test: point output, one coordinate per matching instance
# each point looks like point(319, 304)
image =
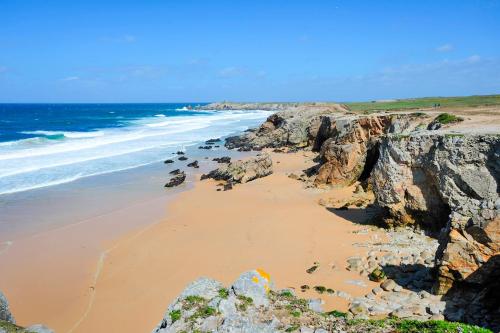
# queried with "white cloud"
point(445, 48)
point(473, 59)
point(71, 78)
point(230, 72)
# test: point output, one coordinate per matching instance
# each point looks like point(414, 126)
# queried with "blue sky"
point(280, 50)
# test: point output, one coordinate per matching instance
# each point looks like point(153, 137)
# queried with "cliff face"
point(448, 183)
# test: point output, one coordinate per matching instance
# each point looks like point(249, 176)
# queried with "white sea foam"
point(41, 161)
point(72, 135)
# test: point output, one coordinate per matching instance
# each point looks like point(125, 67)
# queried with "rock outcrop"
point(251, 305)
point(243, 171)
point(291, 127)
point(5, 314)
point(447, 183)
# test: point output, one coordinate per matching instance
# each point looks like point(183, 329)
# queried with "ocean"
point(48, 144)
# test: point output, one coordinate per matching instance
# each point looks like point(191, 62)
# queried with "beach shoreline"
point(220, 234)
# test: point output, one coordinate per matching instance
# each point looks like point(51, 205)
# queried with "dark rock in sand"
point(180, 153)
point(223, 159)
point(168, 161)
point(176, 180)
point(205, 147)
point(228, 186)
point(175, 172)
point(182, 158)
point(193, 164)
point(212, 141)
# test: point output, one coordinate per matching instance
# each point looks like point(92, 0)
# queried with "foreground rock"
point(251, 305)
point(5, 314)
point(178, 179)
point(449, 183)
point(243, 171)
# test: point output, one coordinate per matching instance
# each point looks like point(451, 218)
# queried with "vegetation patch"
point(446, 118)
point(192, 301)
point(437, 326)
point(203, 312)
point(292, 328)
point(377, 275)
point(244, 302)
point(10, 328)
point(287, 294)
point(416, 326)
point(295, 313)
point(424, 103)
point(223, 293)
point(175, 315)
point(336, 314)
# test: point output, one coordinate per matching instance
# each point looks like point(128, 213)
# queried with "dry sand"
point(84, 279)
point(270, 223)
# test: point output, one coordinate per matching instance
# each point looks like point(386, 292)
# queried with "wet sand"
point(271, 223)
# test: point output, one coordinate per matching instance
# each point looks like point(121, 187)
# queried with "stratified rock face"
point(293, 127)
point(5, 314)
point(449, 183)
point(348, 145)
point(244, 171)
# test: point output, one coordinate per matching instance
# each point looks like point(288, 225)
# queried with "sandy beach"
point(270, 223)
point(91, 279)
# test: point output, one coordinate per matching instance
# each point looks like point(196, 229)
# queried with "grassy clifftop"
point(425, 103)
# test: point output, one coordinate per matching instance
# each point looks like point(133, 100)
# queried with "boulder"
point(193, 164)
point(255, 284)
point(223, 159)
point(243, 171)
point(176, 180)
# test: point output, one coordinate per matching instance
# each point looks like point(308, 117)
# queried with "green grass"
point(415, 326)
point(436, 326)
point(446, 118)
point(244, 302)
point(175, 315)
point(10, 328)
point(292, 328)
point(425, 103)
point(223, 293)
point(336, 314)
point(295, 313)
point(203, 312)
point(287, 294)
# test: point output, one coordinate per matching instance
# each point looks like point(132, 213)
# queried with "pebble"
point(388, 285)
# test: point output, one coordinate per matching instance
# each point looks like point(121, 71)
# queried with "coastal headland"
point(338, 213)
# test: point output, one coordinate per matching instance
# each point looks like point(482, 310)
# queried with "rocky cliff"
point(443, 181)
point(448, 183)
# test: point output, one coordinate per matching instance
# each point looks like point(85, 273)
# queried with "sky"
point(256, 50)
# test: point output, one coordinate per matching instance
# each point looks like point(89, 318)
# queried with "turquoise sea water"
point(47, 144)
